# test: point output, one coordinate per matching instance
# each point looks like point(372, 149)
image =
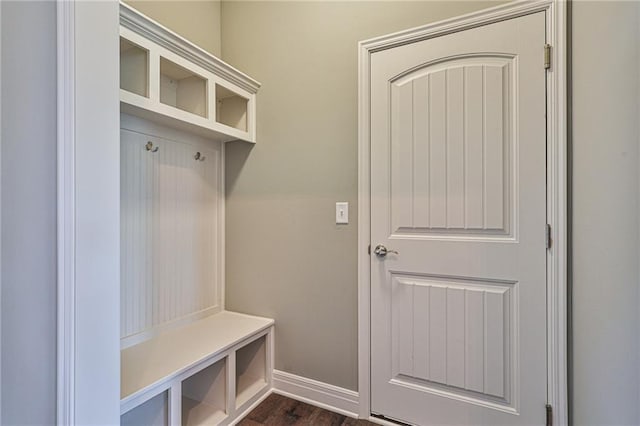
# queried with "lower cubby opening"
point(204, 396)
point(251, 370)
point(154, 412)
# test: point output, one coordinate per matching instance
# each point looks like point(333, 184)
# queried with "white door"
point(458, 158)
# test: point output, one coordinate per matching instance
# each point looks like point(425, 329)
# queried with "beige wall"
point(605, 213)
point(197, 21)
point(286, 257)
point(28, 225)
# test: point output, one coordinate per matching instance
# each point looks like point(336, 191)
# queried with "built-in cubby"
point(251, 370)
point(166, 79)
point(231, 108)
point(182, 88)
point(204, 396)
point(154, 412)
point(184, 358)
point(134, 68)
point(194, 369)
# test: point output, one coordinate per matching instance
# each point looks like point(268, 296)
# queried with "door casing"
point(556, 35)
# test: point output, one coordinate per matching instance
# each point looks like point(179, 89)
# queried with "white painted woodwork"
point(204, 398)
point(151, 367)
point(154, 412)
point(450, 124)
point(170, 231)
point(184, 360)
point(169, 80)
point(134, 68)
point(182, 88)
point(174, 339)
point(88, 212)
point(455, 333)
point(330, 397)
point(458, 188)
point(250, 370)
point(231, 109)
point(89, 228)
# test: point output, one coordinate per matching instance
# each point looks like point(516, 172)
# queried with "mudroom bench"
point(210, 371)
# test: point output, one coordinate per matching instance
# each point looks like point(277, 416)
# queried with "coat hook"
point(199, 156)
point(149, 147)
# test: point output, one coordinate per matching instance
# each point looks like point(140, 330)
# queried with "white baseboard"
point(323, 395)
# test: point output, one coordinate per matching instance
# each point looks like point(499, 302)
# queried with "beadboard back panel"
point(171, 234)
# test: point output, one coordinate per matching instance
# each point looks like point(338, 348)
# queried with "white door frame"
point(556, 14)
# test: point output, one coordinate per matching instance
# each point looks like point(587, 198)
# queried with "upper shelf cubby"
point(134, 68)
point(167, 79)
point(182, 88)
point(231, 108)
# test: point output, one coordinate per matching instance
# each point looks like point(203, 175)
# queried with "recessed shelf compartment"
point(134, 68)
point(187, 361)
point(251, 370)
point(182, 89)
point(154, 412)
point(168, 80)
point(204, 396)
point(231, 108)
point(196, 362)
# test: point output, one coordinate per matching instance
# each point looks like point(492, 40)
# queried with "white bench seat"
point(154, 364)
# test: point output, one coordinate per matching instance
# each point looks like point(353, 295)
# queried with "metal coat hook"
point(199, 156)
point(149, 147)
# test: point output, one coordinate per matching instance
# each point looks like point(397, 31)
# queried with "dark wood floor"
point(278, 410)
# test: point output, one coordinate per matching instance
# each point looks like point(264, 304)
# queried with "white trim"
point(382, 422)
point(134, 339)
point(557, 195)
point(222, 228)
point(66, 213)
point(556, 14)
point(88, 261)
point(0, 214)
point(323, 395)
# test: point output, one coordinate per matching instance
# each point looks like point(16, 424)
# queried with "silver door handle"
point(382, 251)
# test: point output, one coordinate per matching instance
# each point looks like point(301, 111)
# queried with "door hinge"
point(549, 415)
point(547, 56)
point(548, 236)
point(369, 250)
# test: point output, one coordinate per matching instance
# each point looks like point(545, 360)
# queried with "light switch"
point(342, 212)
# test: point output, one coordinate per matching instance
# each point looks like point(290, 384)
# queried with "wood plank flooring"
point(278, 410)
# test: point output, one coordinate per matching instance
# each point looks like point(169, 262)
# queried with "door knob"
point(382, 251)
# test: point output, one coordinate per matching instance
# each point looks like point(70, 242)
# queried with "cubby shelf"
point(184, 360)
point(251, 370)
point(204, 396)
point(203, 362)
point(154, 412)
point(169, 80)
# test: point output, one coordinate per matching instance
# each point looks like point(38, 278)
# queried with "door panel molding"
point(461, 345)
point(556, 18)
point(426, 204)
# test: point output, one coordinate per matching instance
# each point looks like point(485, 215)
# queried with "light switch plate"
point(342, 212)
